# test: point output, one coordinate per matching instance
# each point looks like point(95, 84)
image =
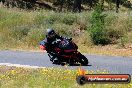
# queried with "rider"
point(47, 44)
point(51, 36)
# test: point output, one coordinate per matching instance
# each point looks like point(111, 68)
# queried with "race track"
point(113, 64)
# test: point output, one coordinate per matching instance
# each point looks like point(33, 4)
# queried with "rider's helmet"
point(50, 33)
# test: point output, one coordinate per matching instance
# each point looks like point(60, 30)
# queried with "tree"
point(110, 4)
point(59, 3)
point(69, 4)
point(102, 4)
point(3, 1)
point(90, 3)
point(117, 5)
point(98, 30)
point(77, 5)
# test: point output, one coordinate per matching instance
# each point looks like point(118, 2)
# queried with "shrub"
point(34, 36)
point(68, 19)
point(97, 30)
point(39, 18)
point(19, 32)
point(83, 40)
point(63, 29)
point(48, 18)
point(117, 25)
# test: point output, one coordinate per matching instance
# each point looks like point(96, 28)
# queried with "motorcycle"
point(65, 51)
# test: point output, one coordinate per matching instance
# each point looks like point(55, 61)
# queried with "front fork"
point(52, 57)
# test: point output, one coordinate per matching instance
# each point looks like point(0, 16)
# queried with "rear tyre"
point(63, 63)
point(56, 62)
point(71, 62)
point(83, 60)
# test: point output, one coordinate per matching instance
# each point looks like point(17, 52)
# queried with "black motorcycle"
point(65, 51)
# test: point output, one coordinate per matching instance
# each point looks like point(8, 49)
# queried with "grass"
point(23, 30)
point(111, 50)
point(17, 77)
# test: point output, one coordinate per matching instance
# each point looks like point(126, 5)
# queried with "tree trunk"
point(3, 1)
point(102, 4)
point(110, 4)
point(117, 5)
point(61, 5)
point(77, 5)
point(69, 5)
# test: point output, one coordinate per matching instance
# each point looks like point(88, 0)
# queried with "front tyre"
point(83, 60)
point(51, 57)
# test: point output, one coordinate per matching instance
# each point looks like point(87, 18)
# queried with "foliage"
point(97, 30)
point(68, 19)
point(19, 28)
point(65, 5)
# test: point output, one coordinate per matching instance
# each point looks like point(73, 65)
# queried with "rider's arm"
point(61, 37)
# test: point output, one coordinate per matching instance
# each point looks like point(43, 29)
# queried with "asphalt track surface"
point(112, 64)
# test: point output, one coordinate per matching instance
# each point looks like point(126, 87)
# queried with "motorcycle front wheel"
point(83, 60)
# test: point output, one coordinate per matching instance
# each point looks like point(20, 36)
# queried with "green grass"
point(15, 77)
point(20, 29)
